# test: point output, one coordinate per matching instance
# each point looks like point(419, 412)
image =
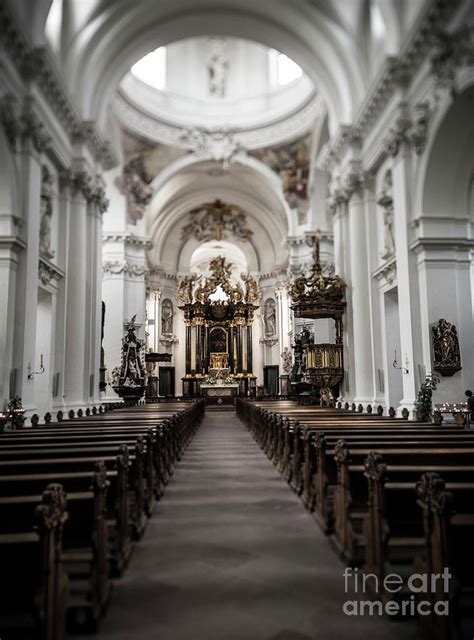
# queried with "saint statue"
point(185, 289)
point(167, 317)
point(251, 288)
point(287, 358)
point(217, 71)
point(269, 317)
point(385, 200)
point(46, 213)
point(447, 356)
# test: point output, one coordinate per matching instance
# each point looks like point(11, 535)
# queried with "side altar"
point(218, 315)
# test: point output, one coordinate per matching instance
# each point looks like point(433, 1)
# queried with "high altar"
point(218, 316)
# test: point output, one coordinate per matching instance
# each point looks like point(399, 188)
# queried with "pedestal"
point(284, 384)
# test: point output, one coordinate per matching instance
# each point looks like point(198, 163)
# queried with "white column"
point(362, 343)
point(24, 351)
point(76, 370)
point(97, 209)
point(343, 268)
point(284, 317)
point(10, 251)
point(408, 301)
point(64, 205)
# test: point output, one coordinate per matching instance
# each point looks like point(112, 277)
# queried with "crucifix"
point(218, 211)
point(313, 242)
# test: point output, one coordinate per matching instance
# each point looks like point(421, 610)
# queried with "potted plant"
point(424, 401)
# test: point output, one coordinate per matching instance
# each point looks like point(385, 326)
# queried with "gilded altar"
point(218, 315)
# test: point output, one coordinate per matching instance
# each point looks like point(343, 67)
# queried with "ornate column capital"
point(21, 122)
point(79, 181)
point(32, 128)
point(410, 129)
point(354, 184)
point(99, 199)
point(452, 51)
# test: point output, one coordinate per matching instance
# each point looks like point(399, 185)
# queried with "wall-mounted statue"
point(167, 317)
point(46, 213)
point(446, 353)
point(385, 200)
point(269, 317)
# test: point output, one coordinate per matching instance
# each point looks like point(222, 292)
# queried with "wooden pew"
point(84, 553)
point(33, 600)
point(448, 525)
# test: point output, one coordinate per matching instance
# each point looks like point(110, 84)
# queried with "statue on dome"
point(217, 73)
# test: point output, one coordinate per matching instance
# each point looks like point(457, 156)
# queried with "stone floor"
point(231, 554)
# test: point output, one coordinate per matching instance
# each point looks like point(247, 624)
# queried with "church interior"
point(237, 319)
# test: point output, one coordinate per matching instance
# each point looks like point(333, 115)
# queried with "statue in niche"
point(217, 70)
point(446, 353)
point(269, 317)
point(385, 200)
point(167, 317)
point(46, 213)
point(287, 359)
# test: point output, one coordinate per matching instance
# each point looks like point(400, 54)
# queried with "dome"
point(215, 83)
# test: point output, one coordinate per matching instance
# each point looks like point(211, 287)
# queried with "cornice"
point(397, 73)
point(12, 242)
point(441, 243)
point(202, 138)
point(35, 65)
point(128, 240)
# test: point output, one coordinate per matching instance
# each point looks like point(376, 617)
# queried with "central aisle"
point(231, 554)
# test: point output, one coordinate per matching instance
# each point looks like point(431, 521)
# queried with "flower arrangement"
point(211, 380)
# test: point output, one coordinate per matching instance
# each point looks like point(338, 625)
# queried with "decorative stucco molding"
point(48, 273)
point(387, 272)
point(34, 65)
point(126, 268)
